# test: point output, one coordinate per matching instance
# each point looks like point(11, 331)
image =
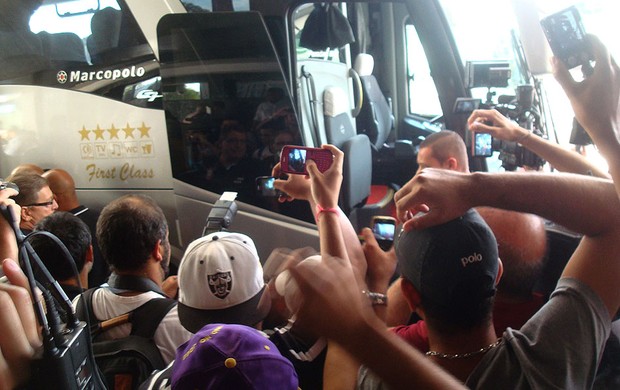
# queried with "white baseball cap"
point(221, 280)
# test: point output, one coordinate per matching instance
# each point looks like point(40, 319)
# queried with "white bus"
point(132, 95)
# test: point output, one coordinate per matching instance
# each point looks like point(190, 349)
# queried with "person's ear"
point(452, 164)
point(89, 256)
point(25, 214)
point(413, 297)
point(500, 271)
point(158, 251)
point(411, 294)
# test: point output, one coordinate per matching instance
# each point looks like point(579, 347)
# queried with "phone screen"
point(293, 159)
point(264, 185)
point(383, 229)
point(482, 145)
point(566, 35)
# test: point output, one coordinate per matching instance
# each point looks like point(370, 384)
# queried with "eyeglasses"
point(42, 204)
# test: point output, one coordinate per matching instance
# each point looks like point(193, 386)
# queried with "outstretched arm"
point(298, 187)
point(583, 204)
point(596, 103)
point(506, 130)
point(335, 307)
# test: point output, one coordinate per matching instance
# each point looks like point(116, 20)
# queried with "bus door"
point(79, 91)
point(229, 112)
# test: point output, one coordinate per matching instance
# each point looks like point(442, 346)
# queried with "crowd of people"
point(463, 312)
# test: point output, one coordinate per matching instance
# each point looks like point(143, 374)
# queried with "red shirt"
point(505, 315)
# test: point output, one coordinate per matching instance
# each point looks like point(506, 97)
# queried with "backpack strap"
point(84, 310)
point(149, 315)
point(146, 318)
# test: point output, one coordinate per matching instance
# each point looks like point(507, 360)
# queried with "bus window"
point(227, 106)
point(216, 5)
point(421, 90)
point(91, 45)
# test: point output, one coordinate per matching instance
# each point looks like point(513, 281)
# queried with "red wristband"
point(320, 209)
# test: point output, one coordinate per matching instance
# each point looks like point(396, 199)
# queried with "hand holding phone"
point(567, 37)
point(293, 159)
point(264, 186)
point(383, 228)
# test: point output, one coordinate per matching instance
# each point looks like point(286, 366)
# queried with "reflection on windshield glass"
point(228, 109)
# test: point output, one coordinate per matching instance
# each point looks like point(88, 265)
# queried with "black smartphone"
point(264, 186)
point(482, 145)
point(293, 159)
point(383, 228)
point(567, 37)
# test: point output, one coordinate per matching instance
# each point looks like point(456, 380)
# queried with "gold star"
point(144, 131)
point(84, 133)
point(128, 131)
point(98, 133)
point(113, 132)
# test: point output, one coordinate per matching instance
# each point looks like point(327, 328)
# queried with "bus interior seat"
point(375, 118)
point(105, 27)
point(318, 75)
point(21, 53)
point(359, 199)
point(63, 47)
point(357, 168)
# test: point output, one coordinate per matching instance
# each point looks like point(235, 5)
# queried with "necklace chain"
point(464, 355)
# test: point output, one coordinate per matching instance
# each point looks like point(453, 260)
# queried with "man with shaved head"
point(62, 185)
point(522, 247)
point(445, 149)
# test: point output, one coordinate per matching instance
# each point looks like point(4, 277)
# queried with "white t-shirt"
point(169, 334)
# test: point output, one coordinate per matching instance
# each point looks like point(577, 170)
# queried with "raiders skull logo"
point(220, 284)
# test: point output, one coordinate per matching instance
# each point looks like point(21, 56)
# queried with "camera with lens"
point(520, 108)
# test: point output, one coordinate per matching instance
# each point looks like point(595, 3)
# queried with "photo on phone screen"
point(293, 159)
point(567, 37)
point(264, 185)
point(383, 229)
point(482, 146)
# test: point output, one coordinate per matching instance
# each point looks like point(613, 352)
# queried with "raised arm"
point(324, 190)
point(334, 305)
point(298, 187)
point(596, 103)
point(584, 204)
point(506, 130)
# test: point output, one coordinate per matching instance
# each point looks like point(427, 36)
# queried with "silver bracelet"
point(376, 298)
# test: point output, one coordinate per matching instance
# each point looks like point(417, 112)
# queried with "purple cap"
point(227, 356)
